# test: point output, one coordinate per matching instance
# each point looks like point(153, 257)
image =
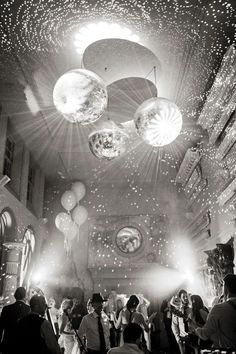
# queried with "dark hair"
point(182, 291)
point(132, 302)
point(132, 332)
point(230, 283)
point(197, 304)
point(37, 300)
point(20, 293)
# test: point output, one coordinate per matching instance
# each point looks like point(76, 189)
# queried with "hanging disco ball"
point(108, 141)
point(81, 96)
point(158, 121)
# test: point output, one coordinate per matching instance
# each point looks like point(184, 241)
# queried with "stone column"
point(13, 257)
point(24, 176)
point(38, 195)
point(3, 138)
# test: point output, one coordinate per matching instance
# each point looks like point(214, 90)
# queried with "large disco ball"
point(81, 96)
point(108, 141)
point(158, 121)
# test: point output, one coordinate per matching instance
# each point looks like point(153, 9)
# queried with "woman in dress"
point(197, 318)
point(67, 338)
point(130, 315)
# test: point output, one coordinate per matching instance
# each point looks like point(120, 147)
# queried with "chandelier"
point(108, 140)
point(158, 121)
point(80, 96)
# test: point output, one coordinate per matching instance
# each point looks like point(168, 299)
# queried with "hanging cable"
point(154, 72)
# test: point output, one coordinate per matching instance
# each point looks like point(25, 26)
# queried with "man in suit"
point(95, 327)
point(220, 326)
point(34, 333)
point(9, 319)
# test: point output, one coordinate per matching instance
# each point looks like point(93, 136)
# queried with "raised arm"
point(64, 321)
point(117, 321)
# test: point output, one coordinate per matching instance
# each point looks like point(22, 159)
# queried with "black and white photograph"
point(117, 176)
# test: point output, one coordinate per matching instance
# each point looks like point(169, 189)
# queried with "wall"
point(159, 211)
point(13, 198)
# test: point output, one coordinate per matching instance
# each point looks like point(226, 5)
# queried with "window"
point(9, 157)
point(29, 241)
point(31, 179)
point(5, 222)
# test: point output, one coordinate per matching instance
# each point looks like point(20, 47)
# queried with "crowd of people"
point(116, 326)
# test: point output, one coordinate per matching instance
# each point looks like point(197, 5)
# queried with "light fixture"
point(103, 30)
point(108, 140)
point(81, 96)
point(158, 121)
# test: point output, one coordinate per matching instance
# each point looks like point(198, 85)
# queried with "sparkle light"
point(96, 31)
point(81, 96)
point(158, 121)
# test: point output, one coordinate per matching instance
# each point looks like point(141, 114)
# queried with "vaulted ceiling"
point(183, 39)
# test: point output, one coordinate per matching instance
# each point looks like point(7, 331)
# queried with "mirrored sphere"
point(158, 121)
point(108, 142)
point(80, 96)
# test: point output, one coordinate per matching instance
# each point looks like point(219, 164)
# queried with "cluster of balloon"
point(69, 222)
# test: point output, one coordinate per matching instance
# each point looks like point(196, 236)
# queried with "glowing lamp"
point(108, 141)
point(158, 121)
point(80, 96)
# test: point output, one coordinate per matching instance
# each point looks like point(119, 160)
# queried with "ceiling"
point(183, 39)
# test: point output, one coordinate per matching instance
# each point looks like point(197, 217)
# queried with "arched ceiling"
point(184, 39)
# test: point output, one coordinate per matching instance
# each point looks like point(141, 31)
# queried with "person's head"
point(20, 293)
point(66, 305)
point(197, 302)
point(229, 286)
point(38, 304)
point(133, 333)
point(113, 293)
point(119, 304)
point(51, 302)
point(76, 301)
point(97, 302)
point(183, 296)
point(89, 306)
point(132, 303)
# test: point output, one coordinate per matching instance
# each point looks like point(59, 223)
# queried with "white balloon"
point(73, 231)
point(80, 214)
point(68, 200)
point(63, 222)
point(79, 190)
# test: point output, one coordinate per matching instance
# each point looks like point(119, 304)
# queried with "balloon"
point(79, 190)
point(79, 215)
point(63, 222)
point(68, 200)
point(73, 231)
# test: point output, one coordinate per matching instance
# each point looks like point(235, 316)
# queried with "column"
point(16, 167)
point(24, 176)
point(38, 194)
point(3, 137)
point(13, 257)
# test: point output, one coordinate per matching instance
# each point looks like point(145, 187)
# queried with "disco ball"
point(108, 141)
point(158, 121)
point(81, 96)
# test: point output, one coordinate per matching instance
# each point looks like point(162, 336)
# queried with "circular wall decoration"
point(129, 240)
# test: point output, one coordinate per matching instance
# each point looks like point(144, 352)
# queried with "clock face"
point(129, 239)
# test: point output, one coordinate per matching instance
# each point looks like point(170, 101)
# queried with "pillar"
point(24, 176)
point(12, 259)
point(3, 137)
